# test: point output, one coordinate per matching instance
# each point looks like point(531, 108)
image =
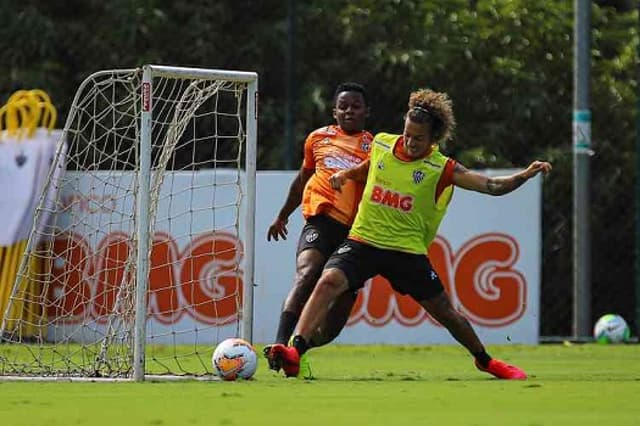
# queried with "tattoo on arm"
point(498, 185)
point(504, 185)
point(459, 168)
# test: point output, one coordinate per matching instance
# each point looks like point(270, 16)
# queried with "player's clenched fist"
point(337, 180)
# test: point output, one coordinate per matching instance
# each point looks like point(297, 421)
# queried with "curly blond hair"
point(426, 105)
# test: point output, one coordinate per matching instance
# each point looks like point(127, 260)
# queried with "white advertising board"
point(487, 253)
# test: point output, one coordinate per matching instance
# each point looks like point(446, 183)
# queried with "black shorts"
point(408, 273)
point(322, 233)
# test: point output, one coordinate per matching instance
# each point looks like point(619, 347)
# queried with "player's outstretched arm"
point(357, 173)
point(498, 185)
point(278, 228)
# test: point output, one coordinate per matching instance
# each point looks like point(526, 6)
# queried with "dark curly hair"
point(350, 87)
point(428, 106)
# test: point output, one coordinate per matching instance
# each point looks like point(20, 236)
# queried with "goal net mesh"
point(71, 310)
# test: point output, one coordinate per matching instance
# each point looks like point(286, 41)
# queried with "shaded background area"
point(507, 65)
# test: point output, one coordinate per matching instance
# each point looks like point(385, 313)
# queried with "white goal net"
point(140, 259)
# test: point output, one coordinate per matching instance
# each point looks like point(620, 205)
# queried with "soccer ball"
point(611, 328)
point(234, 358)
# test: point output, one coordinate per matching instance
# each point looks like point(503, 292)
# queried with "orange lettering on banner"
point(164, 299)
point(203, 282)
point(489, 290)
point(69, 291)
point(110, 261)
point(480, 280)
point(209, 279)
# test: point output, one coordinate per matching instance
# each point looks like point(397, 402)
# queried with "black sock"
point(483, 358)
point(286, 326)
point(300, 344)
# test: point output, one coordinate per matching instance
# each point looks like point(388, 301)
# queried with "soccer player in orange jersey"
point(328, 213)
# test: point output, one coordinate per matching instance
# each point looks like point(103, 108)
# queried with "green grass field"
point(362, 385)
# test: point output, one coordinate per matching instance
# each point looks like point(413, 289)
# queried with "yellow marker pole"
point(32, 305)
point(5, 289)
point(8, 277)
point(50, 115)
point(36, 314)
point(13, 114)
point(42, 110)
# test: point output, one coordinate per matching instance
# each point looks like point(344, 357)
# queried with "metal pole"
point(637, 195)
point(246, 331)
point(142, 228)
point(290, 87)
point(581, 172)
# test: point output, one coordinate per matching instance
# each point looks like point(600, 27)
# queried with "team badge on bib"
point(311, 236)
point(418, 175)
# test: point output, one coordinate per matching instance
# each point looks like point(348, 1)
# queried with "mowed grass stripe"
point(368, 385)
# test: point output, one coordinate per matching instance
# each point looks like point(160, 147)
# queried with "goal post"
point(145, 244)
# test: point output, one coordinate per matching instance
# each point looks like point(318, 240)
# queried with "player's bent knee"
point(306, 278)
point(333, 281)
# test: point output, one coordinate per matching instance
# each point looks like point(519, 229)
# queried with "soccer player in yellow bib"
point(409, 184)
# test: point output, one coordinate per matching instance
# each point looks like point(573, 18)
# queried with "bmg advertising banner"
point(487, 253)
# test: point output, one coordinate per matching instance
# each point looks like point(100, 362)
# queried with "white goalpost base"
point(141, 257)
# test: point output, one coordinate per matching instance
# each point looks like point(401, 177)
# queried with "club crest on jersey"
point(365, 144)
point(418, 176)
point(380, 165)
point(311, 236)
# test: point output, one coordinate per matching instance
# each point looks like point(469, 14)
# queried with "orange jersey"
point(328, 150)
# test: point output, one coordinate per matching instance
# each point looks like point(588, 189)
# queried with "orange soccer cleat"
point(502, 370)
point(285, 357)
point(275, 363)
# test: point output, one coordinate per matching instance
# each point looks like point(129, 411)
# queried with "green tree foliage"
point(507, 65)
